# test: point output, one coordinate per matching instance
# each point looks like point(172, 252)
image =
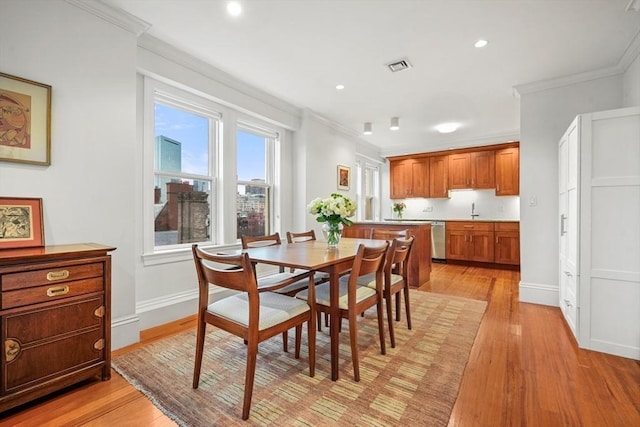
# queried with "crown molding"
point(115, 16)
point(499, 138)
point(171, 53)
point(338, 127)
point(631, 52)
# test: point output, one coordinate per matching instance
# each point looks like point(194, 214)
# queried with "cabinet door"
point(400, 175)
point(483, 169)
point(459, 171)
point(439, 176)
point(481, 246)
point(420, 177)
point(507, 172)
point(456, 244)
point(507, 247)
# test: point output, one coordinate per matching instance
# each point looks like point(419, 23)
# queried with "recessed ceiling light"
point(339, 87)
point(367, 128)
point(481, 43)
point(447, 127)
point(234, 8)
point(395, 123)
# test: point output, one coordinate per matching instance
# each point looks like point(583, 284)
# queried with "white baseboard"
point(615, 349)
point(125, 331)
point(537, 293)
point(158, 311)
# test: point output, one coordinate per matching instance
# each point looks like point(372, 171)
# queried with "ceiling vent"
point(402, 64)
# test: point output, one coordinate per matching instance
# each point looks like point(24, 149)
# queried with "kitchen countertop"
point(410, 220)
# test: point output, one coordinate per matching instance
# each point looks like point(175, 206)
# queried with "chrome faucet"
point(473, 211)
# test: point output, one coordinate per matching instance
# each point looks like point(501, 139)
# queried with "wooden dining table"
point(317, 256)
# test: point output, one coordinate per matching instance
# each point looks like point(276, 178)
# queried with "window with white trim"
point(368, 191)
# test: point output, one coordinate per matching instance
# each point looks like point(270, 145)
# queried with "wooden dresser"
point(56, 319)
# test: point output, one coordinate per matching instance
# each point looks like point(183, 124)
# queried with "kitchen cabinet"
point(409, 178)
point(507, 171)
point(439, 176)
point(470, 241)
point(56, 319)
point(420, 257)
point(599, 231)
point(472, 170)
point(507, 243)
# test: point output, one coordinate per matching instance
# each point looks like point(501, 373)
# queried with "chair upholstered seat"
point(274, 309)
point(395, 278)
point(322, 294)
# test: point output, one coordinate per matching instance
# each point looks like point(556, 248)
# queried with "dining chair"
point(295, 280)
point(253, 314)
point(388, 234)
point(354, 299)
point(396, 270)
point(320, 276)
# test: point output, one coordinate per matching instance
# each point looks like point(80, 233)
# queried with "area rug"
point(415, 383)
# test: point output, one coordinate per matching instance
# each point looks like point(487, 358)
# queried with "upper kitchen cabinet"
point(472, 170)
point(409, 178)
point(507, 172)
point(439, 176)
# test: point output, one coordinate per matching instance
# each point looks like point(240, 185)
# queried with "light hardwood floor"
point(524, 370)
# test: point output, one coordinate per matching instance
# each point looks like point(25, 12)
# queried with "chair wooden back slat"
point(301, 237)
point(368, 260)
point(260, 241)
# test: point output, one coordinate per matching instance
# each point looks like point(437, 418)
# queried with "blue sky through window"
point(192, 131)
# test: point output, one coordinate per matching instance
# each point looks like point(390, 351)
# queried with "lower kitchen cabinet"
point(56, 319)
point(470, 241)
point(507, 243)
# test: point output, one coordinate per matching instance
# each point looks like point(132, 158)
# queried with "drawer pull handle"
point(11, 349)
point(57, 275)
point(99, 345)
point(57, 291)
point(568, 274)
point(99, 312)
point(568, 303)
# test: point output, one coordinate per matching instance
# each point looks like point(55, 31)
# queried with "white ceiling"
point(298, 50)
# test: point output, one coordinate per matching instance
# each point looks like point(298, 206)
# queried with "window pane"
point(253, 210)
point(181, 141)
point(252, 156)
point(181, 211)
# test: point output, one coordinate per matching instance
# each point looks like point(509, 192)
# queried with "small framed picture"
point(344, 177)
point(25, 121)
point(21, 224)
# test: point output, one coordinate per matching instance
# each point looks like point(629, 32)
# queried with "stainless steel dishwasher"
point(438, 245)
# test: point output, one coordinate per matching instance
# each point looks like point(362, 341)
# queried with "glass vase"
point(332, 233)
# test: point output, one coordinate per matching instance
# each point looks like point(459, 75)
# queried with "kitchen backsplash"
point(458, 206)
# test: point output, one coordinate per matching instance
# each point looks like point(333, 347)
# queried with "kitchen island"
point(420, 258)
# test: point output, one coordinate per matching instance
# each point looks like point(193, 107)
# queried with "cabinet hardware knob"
point(57, 275)
point(11, 349)
point(57, 291)
point(99, 345)
point(99, 312)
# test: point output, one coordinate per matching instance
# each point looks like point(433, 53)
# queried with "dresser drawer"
point(508, 226)
point(55, 274)
point(50, 292)
point(28, 365)
point(29, 326)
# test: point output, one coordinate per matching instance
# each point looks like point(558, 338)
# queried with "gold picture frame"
point(344, 177)
point(25, 121)
point(21, 223)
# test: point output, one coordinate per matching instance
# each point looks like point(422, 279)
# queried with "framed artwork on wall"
point(21, 224)
point(344, 177)
point(25, 121)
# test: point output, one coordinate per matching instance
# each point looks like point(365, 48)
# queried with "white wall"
point(545, 115)
point(325, 146)
point(631, 84)
point(88, 190)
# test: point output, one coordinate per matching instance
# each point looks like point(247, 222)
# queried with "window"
point(255, 148)
point(183, 136)
point(368, 191)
